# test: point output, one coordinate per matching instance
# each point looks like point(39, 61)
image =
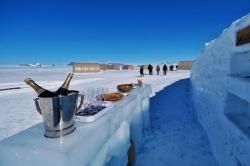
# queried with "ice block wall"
point(220, 82)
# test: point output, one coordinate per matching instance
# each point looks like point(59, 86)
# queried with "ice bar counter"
point(103, 142)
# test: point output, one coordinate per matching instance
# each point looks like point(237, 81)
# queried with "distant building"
point(113, 67)
point(185, 65)
point(86, 67)
point(128, 67)
point(109, 67)
point(103, 67)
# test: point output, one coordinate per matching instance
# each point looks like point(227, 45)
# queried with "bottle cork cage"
point(243, 36)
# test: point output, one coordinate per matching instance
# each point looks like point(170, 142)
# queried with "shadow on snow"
point(176, 136)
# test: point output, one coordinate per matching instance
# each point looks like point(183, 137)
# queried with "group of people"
point(150, 69)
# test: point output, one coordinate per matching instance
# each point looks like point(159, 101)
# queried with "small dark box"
point(243, 36)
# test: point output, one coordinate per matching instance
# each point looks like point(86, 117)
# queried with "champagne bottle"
point(63, 90)
point(41, 92)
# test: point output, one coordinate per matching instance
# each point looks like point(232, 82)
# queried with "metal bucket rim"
point(71, 92)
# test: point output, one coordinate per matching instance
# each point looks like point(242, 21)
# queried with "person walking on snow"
point(141, 71)
point(158, 69)
point(150, 69)
point(165, 69)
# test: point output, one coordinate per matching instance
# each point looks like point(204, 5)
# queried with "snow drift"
point(220, 90)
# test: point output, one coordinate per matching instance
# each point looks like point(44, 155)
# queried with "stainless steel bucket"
point(59, 113)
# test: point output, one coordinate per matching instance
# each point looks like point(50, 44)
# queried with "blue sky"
point(57, 32)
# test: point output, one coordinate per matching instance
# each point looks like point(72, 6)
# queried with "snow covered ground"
point(176, 137)
point(17, 109)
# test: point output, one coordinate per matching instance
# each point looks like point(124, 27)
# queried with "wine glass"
point(106, 90)
point(98, 96)
point(92, 96)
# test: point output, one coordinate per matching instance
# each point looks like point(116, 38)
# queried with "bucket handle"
point(37, 106)
point(81, 102)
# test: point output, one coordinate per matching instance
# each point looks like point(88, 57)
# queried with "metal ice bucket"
point(59, 113)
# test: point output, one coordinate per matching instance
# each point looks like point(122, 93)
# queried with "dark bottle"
point(41, 92)
point(63, 90)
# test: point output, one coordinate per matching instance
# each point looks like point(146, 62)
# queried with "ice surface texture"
point(105, 141)
point(221, 91)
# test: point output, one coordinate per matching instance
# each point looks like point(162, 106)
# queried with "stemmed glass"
point(92, 93)
point(88, 97)
point(93, 102)
point(101, 91)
